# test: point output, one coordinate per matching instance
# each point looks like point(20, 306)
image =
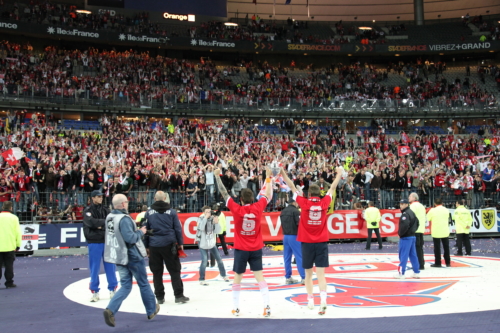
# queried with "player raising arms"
point(247, 238)
point(313, 234)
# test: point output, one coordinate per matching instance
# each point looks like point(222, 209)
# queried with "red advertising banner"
point(343, 224)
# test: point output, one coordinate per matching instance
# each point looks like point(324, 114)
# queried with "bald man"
point(124, 248)
point(162, 244)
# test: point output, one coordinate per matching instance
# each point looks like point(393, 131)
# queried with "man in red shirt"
point(5, 192)
point(248, 241)
point(313, 234)
point(22, 185)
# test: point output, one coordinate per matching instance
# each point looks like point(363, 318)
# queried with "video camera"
point(220, 206)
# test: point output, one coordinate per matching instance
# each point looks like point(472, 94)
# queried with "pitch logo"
point(359, 286)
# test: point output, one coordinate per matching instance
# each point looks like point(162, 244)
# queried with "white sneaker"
point(267, 311)
point(95, 297)
point(226, 279)
point(111, 294)
point(310, 304)
point(291, 280)
point(204, 283)
point(415, 276)
point(322, 309)
point(399, 276)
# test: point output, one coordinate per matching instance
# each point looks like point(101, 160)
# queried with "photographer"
point(164, 239)
point(222, 223)
point(206, 231)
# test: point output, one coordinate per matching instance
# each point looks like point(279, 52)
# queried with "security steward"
point(94, 218)
point(162, 241)
point(290, 217)
point(408, 224)
point(10, 241)
point(463, 222)
point(419, 211)
point(439, 219)
point(372, 218)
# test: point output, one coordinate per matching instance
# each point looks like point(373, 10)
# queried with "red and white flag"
point(13, 155)
point(403, 150)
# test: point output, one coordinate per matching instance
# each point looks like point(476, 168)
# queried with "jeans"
point(22, 205)
point(96, 253)
point(367, 191)
point(210, 191)
point(151, 196)
point(292, 245)
point(204, 259)
point(63, 199)
point(50, 196)
point(478, 200)
point(79, 197)
point(192, 203)
point(136, 269)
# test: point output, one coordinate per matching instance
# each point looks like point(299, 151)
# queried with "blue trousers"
point(291, 245)
point(204, 259)
point(407, 249)
point(96, 253)
point(136, 269)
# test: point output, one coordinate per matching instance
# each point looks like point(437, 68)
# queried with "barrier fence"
point(222, 102)
point(63, 207)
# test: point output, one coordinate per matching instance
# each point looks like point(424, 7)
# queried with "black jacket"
point(165, 224)
point(408, 223)
point(94, 217)
point(290, 217)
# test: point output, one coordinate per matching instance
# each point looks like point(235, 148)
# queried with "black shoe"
point(434, 265)
point(380, 247)
point(458, 254)
point(156, 311)
point(422, 268)
point(367, 249)
point(449, 265)
point(182, 299)
point(161, 300)
point(468, 254)
point(109, 318)
point(7, 286)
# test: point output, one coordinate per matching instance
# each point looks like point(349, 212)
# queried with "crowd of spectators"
point(62, 167)
point(135, 78)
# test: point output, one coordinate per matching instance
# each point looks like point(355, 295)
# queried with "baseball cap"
point(404, 201)
point(96, 193)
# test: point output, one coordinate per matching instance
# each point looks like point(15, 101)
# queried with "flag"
point(287, 2)
point(403, 150)
point(13, 155)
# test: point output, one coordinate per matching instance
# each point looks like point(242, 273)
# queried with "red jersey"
point(247, 233)
point(312, 224)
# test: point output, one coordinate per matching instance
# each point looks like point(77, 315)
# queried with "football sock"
point(236, 295)
point(264, 291)
point(322, 295)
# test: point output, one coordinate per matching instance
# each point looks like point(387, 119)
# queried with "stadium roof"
point(363, 10)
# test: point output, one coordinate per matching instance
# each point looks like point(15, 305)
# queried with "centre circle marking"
point(364, 286)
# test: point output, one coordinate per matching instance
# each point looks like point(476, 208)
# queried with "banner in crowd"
point(148, 40)
point(29, 237)
point(346, 224)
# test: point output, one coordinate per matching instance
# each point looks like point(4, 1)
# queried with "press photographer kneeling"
point(206, 232)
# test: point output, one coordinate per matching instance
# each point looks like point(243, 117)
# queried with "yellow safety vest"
point(439, 217)
point(463, 219)
point(419, 211)
point(372, 214)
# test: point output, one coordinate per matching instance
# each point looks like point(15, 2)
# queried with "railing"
point(223, 102)
point(67, 207)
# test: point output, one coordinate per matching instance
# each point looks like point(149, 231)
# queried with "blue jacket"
point(130, 235)
point(165, 224)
